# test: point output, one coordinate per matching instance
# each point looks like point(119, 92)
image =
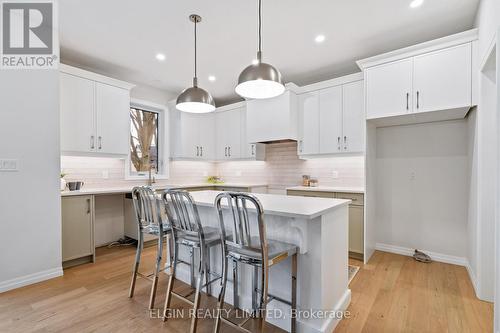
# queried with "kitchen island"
point(319, 227)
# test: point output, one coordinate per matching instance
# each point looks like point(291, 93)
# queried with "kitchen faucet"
point(151, 179)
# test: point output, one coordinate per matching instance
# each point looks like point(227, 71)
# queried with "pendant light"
point(260, 80)
point(195, 99)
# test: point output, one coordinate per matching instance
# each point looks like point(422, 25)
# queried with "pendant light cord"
point(260, 31)
point(195, 79)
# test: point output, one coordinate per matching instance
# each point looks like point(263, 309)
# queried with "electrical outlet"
point(9, 165)
point(105, 174)
point(335, 174)
point(412, 175)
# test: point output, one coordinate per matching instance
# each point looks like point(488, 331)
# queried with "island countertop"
point(281, 205)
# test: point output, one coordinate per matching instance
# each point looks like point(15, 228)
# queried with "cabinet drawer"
point(357, 198)
point(314, 194)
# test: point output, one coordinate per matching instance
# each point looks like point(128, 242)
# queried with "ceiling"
point(121, 38)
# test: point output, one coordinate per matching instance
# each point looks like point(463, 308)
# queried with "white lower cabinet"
point(94, 113)
point(332, 120)
point(77, 214)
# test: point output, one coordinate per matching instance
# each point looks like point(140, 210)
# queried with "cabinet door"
point(353, 115)
point(189, 138)
point(330, 120)
point(231, 126)
point(206, 137)
point(77, 114)
point(442, 79)
point(309, 123)
point(356, 226)
point(389, 89)
point(113, 119)
point(77, 229)
point(221, 142)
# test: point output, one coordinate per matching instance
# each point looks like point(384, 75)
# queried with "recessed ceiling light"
point(255, 61)
point(319, 38)
point(160, 57)
point(416, 3)
point(211, 78)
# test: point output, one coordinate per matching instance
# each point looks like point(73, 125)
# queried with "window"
point(146, 143)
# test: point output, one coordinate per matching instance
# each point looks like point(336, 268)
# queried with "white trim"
point(440, 257)
point(95, 77)
point(332, 83)
point(472, 277)
point(30, 279)
point(418, 49)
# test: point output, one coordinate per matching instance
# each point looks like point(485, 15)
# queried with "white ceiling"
point(120, 38)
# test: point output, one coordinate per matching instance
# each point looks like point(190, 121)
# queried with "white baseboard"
point(440, 257)
point(30, 279)
point(473, 279)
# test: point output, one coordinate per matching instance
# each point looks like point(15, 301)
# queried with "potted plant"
point(63, 181)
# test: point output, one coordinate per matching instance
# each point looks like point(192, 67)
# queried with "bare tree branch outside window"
point(143, 140)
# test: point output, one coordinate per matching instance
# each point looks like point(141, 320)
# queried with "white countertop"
point(327, 189)
point(127, 189)
point(282, 205)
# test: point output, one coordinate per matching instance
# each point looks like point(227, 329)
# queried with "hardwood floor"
point(395, 293)
point(391, 294)
point(93, 298)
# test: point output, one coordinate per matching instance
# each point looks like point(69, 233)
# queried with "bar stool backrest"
point(240, 235)
point(147, 208)
point(182, 212)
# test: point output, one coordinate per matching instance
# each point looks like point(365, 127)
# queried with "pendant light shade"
point(260, 80)
point(195, 99)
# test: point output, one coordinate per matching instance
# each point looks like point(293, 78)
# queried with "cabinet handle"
point(418, 99)
point(201, 151)
point(300, 146)
point(407, 101)
point(229, 151)
point(253, 150)
point(338, 142)
point(197, 151)
point(345, 142)
point(100, 142)
point(92, 145)
point(225, 151)
point(88, 206)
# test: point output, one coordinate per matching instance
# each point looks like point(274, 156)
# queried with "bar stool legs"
point(222, 293)
point(294, 293)
point(136, 267)
point(154, 286)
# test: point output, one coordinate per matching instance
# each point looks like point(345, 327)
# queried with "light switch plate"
point(9, 165)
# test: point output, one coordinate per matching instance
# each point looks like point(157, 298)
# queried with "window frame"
point(163, 140)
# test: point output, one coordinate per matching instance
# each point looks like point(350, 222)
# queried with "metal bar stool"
point(188, 231)
point(149, 221)
point(240, 246)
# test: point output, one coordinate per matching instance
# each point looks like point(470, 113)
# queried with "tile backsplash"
point(282, 168)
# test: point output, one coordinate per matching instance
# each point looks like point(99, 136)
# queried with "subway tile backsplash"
point(281, 169)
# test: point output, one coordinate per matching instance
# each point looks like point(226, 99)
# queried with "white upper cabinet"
point(442, 79)
point(113, 119)
point(272, 119)
point(389, 89)
point(77, 114)
point(309, 123)
point(432, 81)
point(193, 137)
point(249, 151)
point(94, 113)
point(353, 117)
point(330, 120)
point(228, 138)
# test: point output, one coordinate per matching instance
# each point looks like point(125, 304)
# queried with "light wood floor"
point(393, 293)
point(390, 294)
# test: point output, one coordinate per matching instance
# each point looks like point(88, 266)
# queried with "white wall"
point(422, 187)
point(30, 222)
point(488, 22)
